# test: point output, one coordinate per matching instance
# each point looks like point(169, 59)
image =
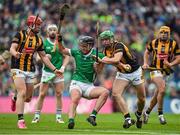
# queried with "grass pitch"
point(107, 124)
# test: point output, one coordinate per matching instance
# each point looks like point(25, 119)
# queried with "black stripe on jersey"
point(32, 67)
point(170, 50)
point(25, 62)
point(30, 42)
point(23, 41)
point(15, 63)
point(37, 41)
point(156, 51)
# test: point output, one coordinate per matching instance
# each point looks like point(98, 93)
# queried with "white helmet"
point(51, 26)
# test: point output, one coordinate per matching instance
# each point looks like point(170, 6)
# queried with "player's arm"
point(114, 60)
point(46, 60)
point(13, 50)
point(4, 56)
point(98, 67)
point(146, 58)
point(173, 63)
point(176, 58)
point(14, 45)
point(147, 53)
point(62, 49)
point(1, 60)
point(65, 62)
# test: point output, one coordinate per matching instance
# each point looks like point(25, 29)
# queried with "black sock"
point(148, 111)
point(126, 116)
point(138, 113)
point(14, 98)
point(20, 116)
point(160, 112)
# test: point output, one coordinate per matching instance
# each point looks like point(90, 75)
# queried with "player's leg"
point(75, 98)
point(59, 87)
point(42, 93)
point(160, 84)
point(119, 86)
point(29, 91)
point(153, 102)
point(13, 100)
point(101, 94)
point(140, 90)
point(20, 86)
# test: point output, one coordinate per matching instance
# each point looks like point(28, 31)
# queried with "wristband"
point(54, 69)
point(62, 67)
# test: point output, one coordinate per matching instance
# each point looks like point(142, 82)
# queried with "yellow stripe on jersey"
point(22, 58)
point(127, 52)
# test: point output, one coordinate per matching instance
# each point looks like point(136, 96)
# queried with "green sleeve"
point(73, 52)
point(101, 55)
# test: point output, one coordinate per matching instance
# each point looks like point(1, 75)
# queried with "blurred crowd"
point(134, 22)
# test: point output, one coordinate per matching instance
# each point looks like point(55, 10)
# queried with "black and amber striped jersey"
point(27, 47)
point(127, 58)
point(161, 51)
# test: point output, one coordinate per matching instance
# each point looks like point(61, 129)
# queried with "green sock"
point(71, 120)
point(94, 113)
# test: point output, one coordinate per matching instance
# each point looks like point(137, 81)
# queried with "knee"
point(142, 100)
point(105, 94)
point(116, 95)
point(75, 99)
point(161, 92)
point(42, 95)
point(22, 94)
point(28, 99)
point(58, 94)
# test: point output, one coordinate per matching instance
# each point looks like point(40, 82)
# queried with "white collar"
point(50, 41)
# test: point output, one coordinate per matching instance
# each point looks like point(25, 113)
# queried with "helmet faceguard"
point(107, 38)
point(86, 43)
point(164, 33)
point(52, 30)
point(33, 23)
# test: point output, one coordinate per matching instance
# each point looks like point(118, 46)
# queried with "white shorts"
point(50, 77)
point(158, 73)
point(29, 77)
point(135, 77)
point(84, 88)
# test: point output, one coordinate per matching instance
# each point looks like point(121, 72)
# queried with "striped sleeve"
point(17, 38)
point(119, 48)
point(149, 47)
point(41, 46)
point(176, 49)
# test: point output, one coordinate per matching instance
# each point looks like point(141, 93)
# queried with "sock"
point(94, 113)
point(139, 113)
point(71, 120)
point(160, 112)
point(58, 113)
point(37, 114)
point(127, 116)
point(20, 116)
point(148, 111)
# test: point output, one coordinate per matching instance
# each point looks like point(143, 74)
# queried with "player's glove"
point(59, 38)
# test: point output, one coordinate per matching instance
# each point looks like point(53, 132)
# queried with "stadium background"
point(134, 22)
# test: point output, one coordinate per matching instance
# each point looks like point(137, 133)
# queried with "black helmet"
point(86, 43)
point(86, 40)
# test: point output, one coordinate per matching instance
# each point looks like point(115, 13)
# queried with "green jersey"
point(56, 57)
point(84, 71)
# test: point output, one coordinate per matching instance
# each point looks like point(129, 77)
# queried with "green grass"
point(107, 124)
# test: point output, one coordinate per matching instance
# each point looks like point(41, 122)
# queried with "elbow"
point(116, 61)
